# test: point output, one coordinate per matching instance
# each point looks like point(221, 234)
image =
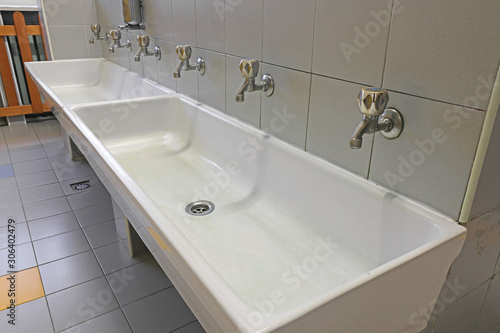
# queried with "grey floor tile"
point(111, 322)
point(101, 234)
point(115, 256)
point(34, 166)
point(8, 184)
point(23, 145)
point(4, 158)
point(9, 199)
point(89, 198)
point(73, 172)
point(162, 312)
point(62, 161)
point(138, 281)
point(95, 214)
point(92, 181)
point(16, 213)
point(33, 317)
point(55, 148)
point(36, 179)
point(6, 171)
point(68, 272)
point(25, 258)
point(27, 155)
point(41, 209)
point(40, 193)
point(21, 233)
point(81, 303)
point(194, 327)
point(60, 246)
point(53, 225)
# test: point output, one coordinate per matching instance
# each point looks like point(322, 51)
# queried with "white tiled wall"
point(68, 24)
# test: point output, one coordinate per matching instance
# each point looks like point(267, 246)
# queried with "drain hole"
point(200, 208)
point(81, 185)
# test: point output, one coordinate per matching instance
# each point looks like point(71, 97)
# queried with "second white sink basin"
point(83, 81)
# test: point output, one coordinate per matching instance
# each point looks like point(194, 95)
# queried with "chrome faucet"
point(249, 70)
point(96, 29)
point(116, 35)
point(376, 118)
point(184, 53)
point(143, 49)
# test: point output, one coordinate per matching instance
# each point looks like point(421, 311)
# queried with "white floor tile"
point(53, 225)
point(9, 199)
point(4, 158)
point(81, 303)
point(16, 213)
point(8, 184)
point(41, 209)
point(63, 161)
point(36, 179)
point(34, 166)
point(27, 155)
point(68, 272)
point(55, 148)
point(43, 192)
point(73, 172)
point(60, 246)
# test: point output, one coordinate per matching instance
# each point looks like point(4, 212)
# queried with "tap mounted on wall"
point(116, 35)
point(143, 49)
point(96, 30)
point(376, 117)
point(249, 70)
point(184, 54)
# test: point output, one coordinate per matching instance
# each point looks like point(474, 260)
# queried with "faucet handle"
point(115, 35)
point(183, 52)
point(249, 68)
point(95, 28)
point(373, 101)
point(143, 40)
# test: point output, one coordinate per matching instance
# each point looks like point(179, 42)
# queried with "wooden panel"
point(10, 30)
point(7, 79)
point(24, 47)
point(20, 110)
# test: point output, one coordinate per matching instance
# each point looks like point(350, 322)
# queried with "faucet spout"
point(138, 54)
point(177, 72)
point(366, 126)
point(240, 95)
point(111, 48)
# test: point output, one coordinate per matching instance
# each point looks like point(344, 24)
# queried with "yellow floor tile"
point(28, 286)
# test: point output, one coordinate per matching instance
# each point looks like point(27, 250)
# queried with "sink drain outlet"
point(200, 208)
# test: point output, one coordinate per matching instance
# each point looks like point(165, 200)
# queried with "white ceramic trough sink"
point(294, 243)
point(83, 81)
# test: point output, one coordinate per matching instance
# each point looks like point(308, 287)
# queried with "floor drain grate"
point(80, 186)
point(200, 208)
